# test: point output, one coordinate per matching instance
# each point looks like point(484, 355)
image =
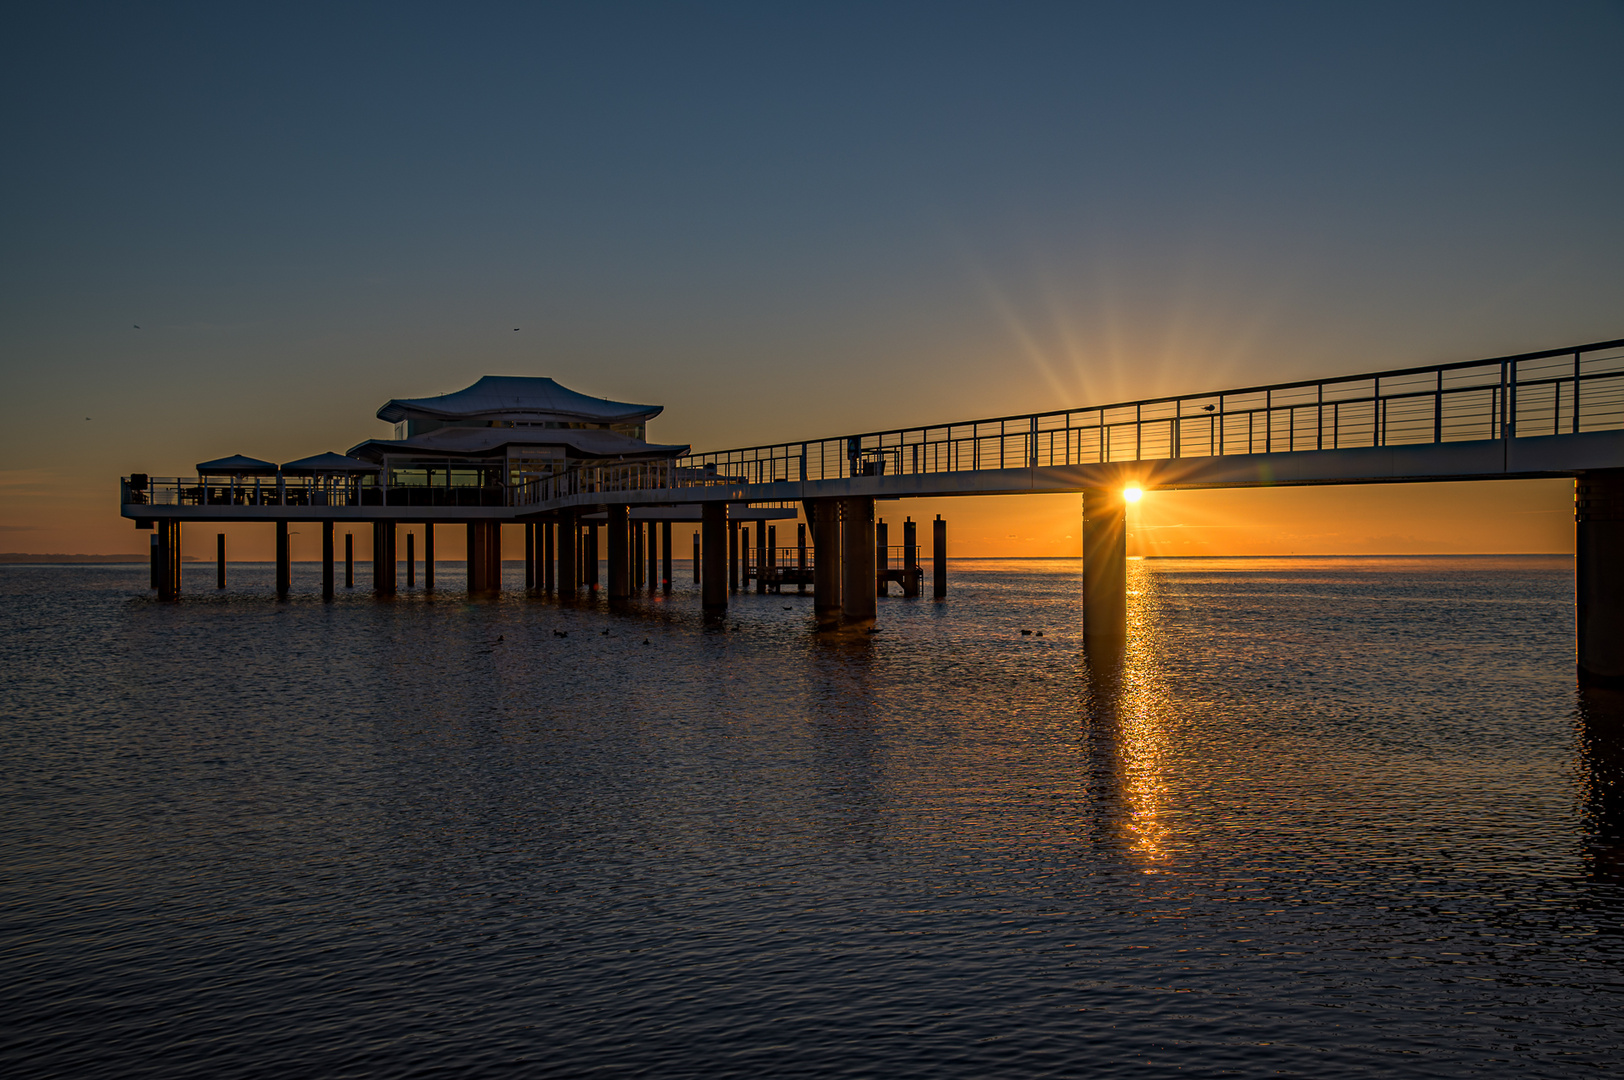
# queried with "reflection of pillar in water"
point(1601, 718)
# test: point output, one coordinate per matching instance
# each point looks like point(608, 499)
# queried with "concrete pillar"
point(156, 558)
point(492, 557)
point(714, 582)
point(428, 556)
point(529, 555)
point(800, 557)
point(882, 558)
point(476, 559)
point(744, 557)
point(620, 553)
point(654, 549)
point(411, 560)
point(665, 557)
point(383, 558)
point(697, 561)
point(761, 557)
point(732, 556)
point(857, 606)
point(168, 532)
point(593, 557)
point(938, 557)
point(568, 560)
point(219, 560)
point(824, 514)
point(549, 580)
point(1599, 575)
point(1105, 564)
point(327, 560)
point(349, 560)
point(284, 561)
point(910, 557)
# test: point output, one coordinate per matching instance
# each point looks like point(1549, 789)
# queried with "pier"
point(1557, 413)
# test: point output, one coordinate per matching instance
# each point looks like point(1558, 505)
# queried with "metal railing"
point(1559, 391)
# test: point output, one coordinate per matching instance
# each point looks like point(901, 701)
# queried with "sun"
point(1132, 493)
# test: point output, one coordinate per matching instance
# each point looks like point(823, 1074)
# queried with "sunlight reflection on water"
point(1318, 816)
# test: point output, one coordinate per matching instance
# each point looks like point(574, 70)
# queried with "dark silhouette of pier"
point(1558, 413)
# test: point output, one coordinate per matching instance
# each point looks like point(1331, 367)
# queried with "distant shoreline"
point(19, 557)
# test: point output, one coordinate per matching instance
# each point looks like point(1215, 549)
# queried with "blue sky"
point(777, 220)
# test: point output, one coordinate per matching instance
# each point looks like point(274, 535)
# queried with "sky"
point(784, 221)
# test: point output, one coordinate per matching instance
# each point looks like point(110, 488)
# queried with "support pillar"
point(800, 557)
point(284, 562)
point(593, 557)
point(910, 557)
point(938, 557)
point(696, 560)
point(327, 560)
point(654, 549)
point(411, 559)
point(549, 581)
point(620, 560)
point(772, 558)
point(529, 556)
point(665, 557)
point(744, 557)
point(428, 556)
point(732, 555)
point(156, 557)
point(1105, 565)
point(383, 558)
point(1599, 576)
point(761, 558)
point(635, 550)
point(568, 560)
point(493, 557)
point(824, 514)
point(219, 560)
point(882, 559)
point(349, 560)
point(714, 583)
point(857, 606)
point(169, 559)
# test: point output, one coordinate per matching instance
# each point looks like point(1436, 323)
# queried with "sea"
point(1318, 817)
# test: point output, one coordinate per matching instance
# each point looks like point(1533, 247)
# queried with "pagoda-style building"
point(504, 431)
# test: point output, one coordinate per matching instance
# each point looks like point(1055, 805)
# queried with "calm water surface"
point(1323, 817)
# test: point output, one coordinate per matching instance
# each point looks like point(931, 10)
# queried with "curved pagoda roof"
point(516, 396)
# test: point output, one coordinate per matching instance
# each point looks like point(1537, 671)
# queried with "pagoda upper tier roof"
point(483, 442)
point(516, 396)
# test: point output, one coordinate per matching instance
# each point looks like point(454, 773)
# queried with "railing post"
point(1576, 392)
point(1034, 442)
point(1438, 409)
point(1319, 417)
point(1268, 422)
point(1511, 399)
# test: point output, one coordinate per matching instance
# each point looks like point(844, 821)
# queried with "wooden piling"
point(383, 558)
point(155, 557)
point(800, 557)
point(568, 560)
point(349, 560)
point(654, 549)
point(411, 560)
point(732, 555)
point(529, 556)
point(761, 558)
point(910, 557)
point(696, 559)
point(219, 560)
point(882, 559)
point(549, 579)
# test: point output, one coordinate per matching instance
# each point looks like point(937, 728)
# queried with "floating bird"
point(645, 641)
point(515, 329)
point(87, 418)
point(561, 633)
point(606, 633)
point(1040, 633)
point(1026, 633)
point(137, 327)
point(499, 637)
point(786, 606)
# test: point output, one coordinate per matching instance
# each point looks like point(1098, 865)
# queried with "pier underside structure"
point(1552, 414)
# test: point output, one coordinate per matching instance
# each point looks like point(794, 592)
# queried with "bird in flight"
point(136, 325)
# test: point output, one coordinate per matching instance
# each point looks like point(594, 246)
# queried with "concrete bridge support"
point(411, 559)
point(1105, 565)
point(1599, 575)
point(714, 548)
point(168, 563)
point(665, 557)
point(349, 560)
point(383, 558)
point(858, 609)
point(549, 580)
point(428, 556)
point(620, 553)
point(220, 560)
point(284, 562)
point(529, 555)
point(824, 517)
point(938, 558)
point(568, 558)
